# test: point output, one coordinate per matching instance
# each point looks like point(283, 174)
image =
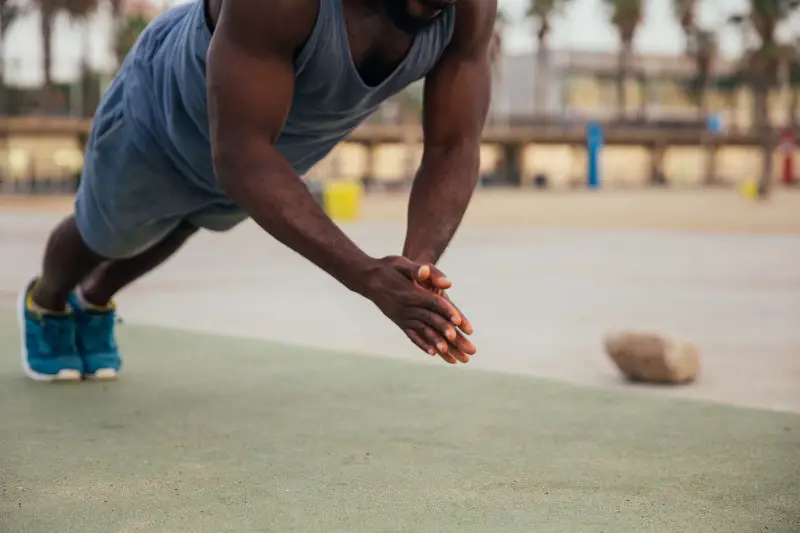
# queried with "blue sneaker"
point(48, 348)
point(95, 340)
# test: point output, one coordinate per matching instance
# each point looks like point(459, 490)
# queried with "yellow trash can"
point(749, 189)
point(342, 199)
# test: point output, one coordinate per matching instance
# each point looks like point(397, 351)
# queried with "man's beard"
point(398, 12)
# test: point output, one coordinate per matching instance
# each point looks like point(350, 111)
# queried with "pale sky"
point(583, 27)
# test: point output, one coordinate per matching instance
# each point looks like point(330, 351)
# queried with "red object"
point(788, 145)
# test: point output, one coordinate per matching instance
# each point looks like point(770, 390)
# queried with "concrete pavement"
point(541, 299)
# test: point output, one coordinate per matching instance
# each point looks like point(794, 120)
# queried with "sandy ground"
point(691, 210)
point(542, 276)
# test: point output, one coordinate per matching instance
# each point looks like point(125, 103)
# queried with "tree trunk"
point(644, 88)
point(622, 76)
point(542, 78)
point(3, 97)
point(702, 100)
point(765, 182)
point(3, 104)
point(86, 73)
point(765, 134)
point(710, 177)
point(46, 19)
point(116, 29)
point(733, 112)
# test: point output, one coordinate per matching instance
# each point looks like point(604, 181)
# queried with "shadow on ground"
point(208, 433)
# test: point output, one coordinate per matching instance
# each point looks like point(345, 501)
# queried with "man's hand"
point(427, 318)
point(435, 280)
point(430, 278)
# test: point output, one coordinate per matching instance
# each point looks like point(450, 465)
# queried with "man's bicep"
point(249, 95)
point(456, 102)
point(250, 69)
point(458, 90)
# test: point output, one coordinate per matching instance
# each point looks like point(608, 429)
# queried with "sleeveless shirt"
point(165, 89)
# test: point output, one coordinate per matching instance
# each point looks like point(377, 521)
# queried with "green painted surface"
point(207, 433)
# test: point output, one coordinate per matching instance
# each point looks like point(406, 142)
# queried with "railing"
point(520, 130)
point(36, 177)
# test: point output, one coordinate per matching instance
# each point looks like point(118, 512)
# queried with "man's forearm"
point(440, 194)
point(274, 196)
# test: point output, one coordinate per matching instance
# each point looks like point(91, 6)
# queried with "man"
point(212, 118)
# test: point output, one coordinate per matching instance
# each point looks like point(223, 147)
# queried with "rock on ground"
point(652, 358)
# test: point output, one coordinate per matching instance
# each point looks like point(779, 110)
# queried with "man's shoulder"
point(276, 20)
point(473, 17)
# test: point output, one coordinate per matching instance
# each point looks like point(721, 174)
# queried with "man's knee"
point(218, 219)
point(185, 230)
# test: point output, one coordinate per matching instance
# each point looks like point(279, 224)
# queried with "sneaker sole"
point(63, 375)
point(104, 374)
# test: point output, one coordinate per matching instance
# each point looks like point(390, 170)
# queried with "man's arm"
point(250, 87)
point(456, 102)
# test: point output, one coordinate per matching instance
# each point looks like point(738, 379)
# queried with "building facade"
point(583, 85)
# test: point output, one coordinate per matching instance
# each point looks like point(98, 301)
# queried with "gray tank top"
point(165, 89)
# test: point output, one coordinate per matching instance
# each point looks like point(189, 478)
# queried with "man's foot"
point(95, 339)
point(47, 341)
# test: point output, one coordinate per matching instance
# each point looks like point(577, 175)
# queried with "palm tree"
point(10, 11)
point(686, 13)
point(128, 31)
point(542, 12)
point(117, 24)
point(48, 10)
point(728, 86)
point(702, 46)
point(762, 65)
point(794, 86)
point(129, 18)
point(625, 16)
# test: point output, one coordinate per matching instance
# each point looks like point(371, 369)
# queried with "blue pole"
point(594, 143)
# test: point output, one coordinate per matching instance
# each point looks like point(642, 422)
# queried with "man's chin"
point(403, 20)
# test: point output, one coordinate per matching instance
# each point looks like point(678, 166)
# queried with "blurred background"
point(678, 93)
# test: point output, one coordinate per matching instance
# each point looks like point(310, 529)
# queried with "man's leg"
point(67, 261)
point(64, 336)
point(95, 311)
point(47, 327)
point(124, 208)
point(99, 287)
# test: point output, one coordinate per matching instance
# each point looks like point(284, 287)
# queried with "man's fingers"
point(433, 338)
point(459, 355)
point(441, 327)
point(428, 340)
point(410, 269)
point(421, 343)
point(438, 280)
point(438, 323)
point(441, 306)
point(449, 358)
point(422, 273)
point(462, 344)
point(465, 325)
